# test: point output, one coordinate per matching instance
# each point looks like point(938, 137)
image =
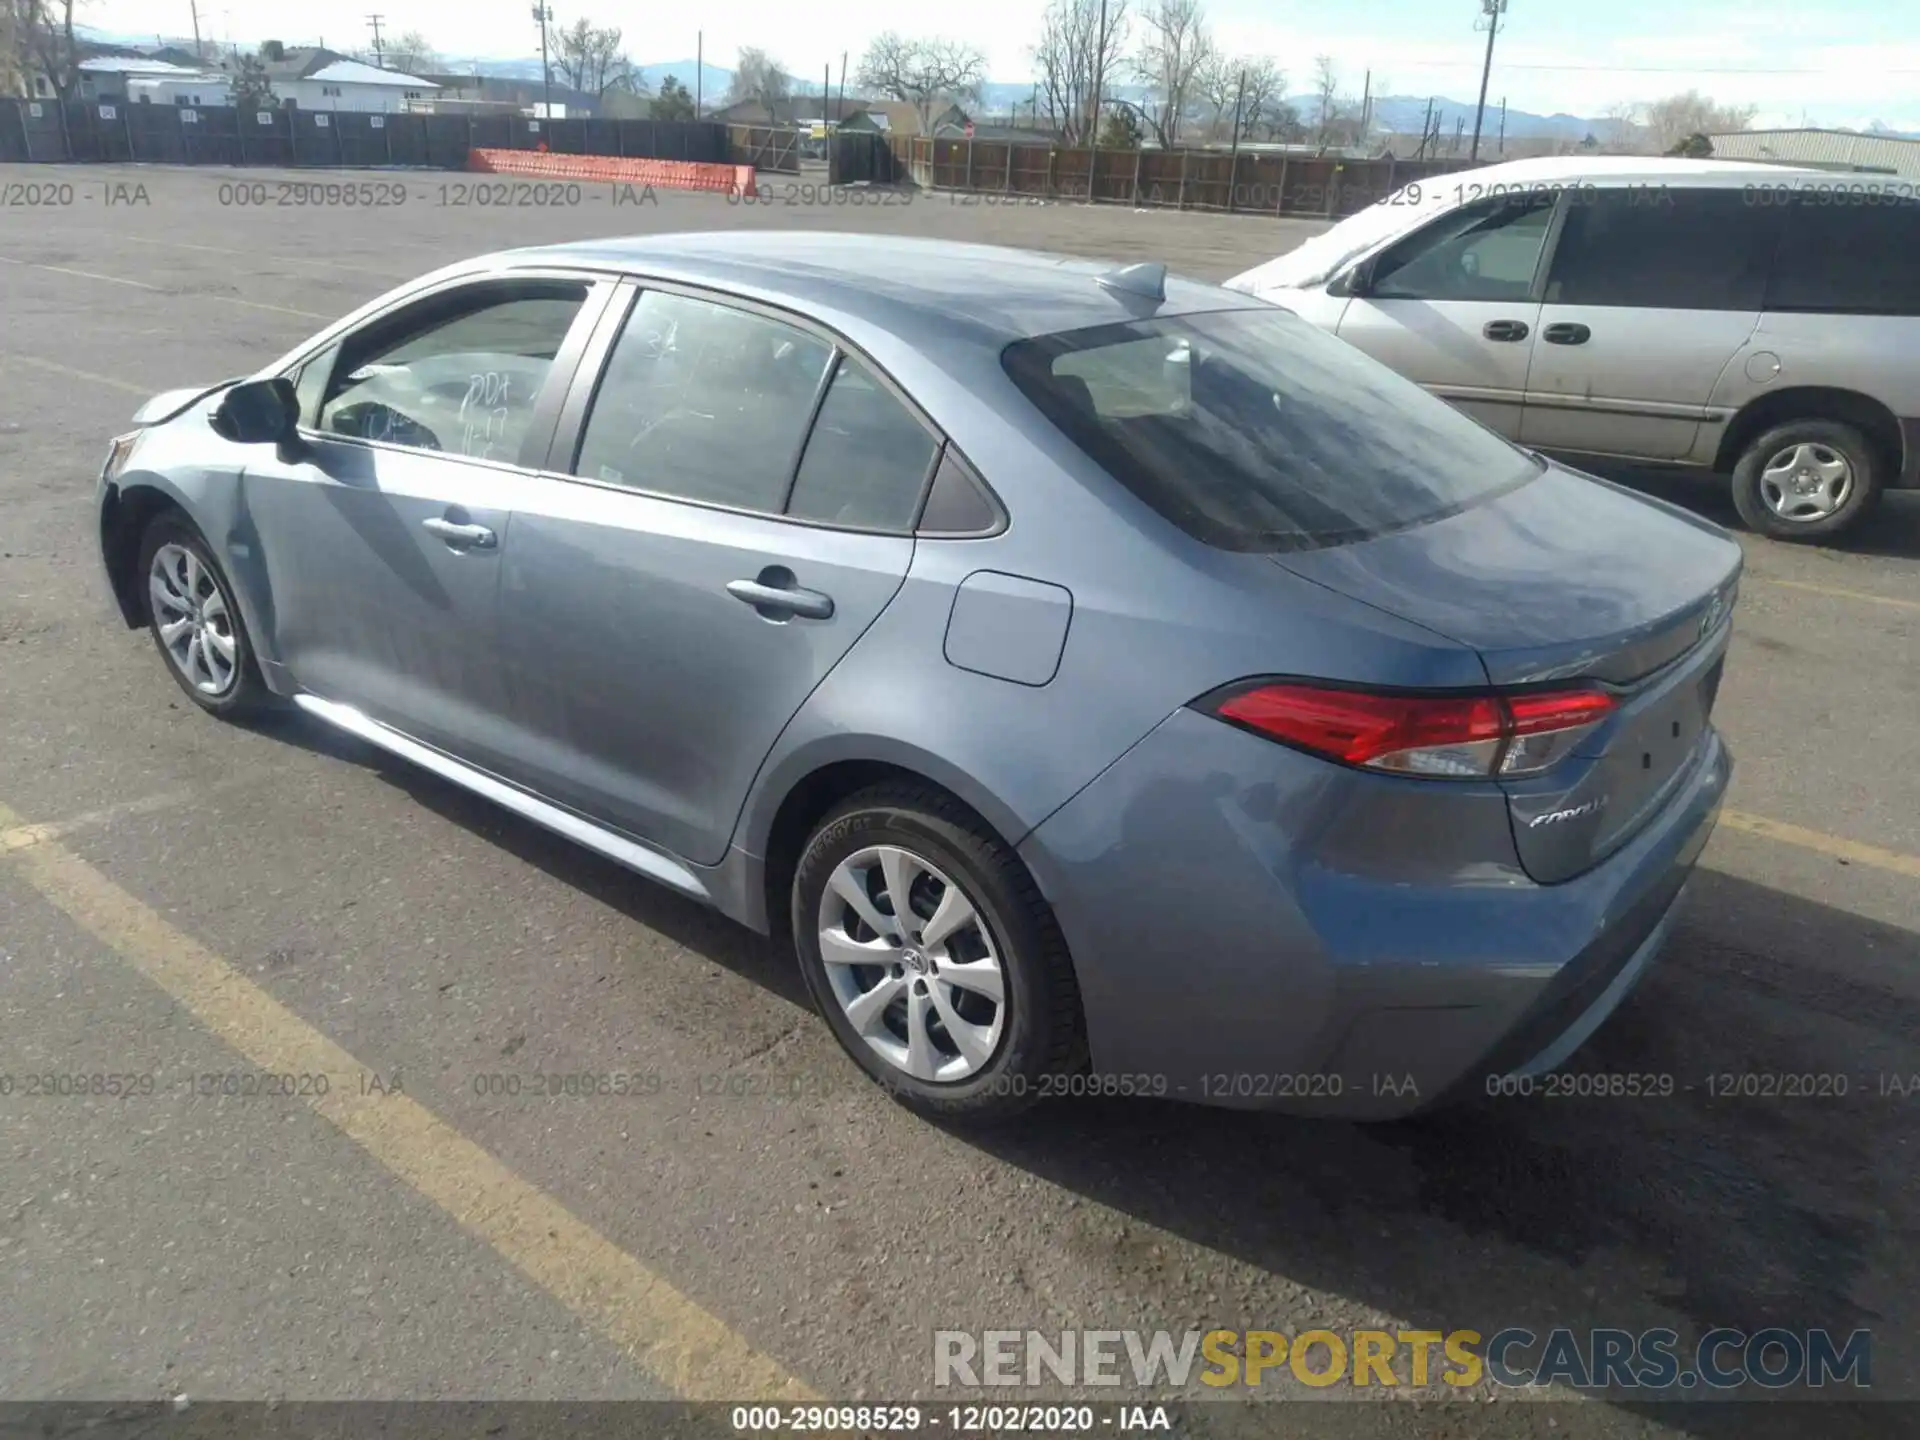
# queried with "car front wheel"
point(1806, 480)
point(194, 621)
point(930, 951)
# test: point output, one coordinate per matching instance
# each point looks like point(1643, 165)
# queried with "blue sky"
point(1829, 62)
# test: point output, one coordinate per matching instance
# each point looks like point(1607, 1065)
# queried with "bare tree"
point(922, 71)
point(1173, 50)
point(1217, 83)
point(1326, 100)
point(44, 41)
point(409, 51)
point(1678, 117)
point(757, 76)
point(1076, 62)
point(590, 59)
point(1263, 106)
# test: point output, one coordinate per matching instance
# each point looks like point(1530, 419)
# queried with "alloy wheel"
point(191, 617)
point(1806, 482)
point(912, 963)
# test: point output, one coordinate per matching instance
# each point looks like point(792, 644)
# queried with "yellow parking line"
point(389, 275)
point(157, 290)
point(82, 274)
point(672, 1338)
point(19, 837)
point(1853, 851)
point(1836, 592)
point(55, 368)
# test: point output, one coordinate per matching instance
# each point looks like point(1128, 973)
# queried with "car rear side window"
point(703, 402)
point(1253, 430)
point(867, 458)
point(1849, 254)
point(1656, 247)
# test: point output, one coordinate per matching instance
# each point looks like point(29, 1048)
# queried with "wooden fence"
point(1250, 182)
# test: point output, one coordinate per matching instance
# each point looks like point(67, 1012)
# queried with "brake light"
point(1435, 736)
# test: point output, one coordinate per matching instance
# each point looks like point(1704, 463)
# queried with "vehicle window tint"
point(1480, 252)
point(1253, 430)
point(703, 402)
point(1849, 255)
point(464, 381)
point(1666, 249)
point(867, 458)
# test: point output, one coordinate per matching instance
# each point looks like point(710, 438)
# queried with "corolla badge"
point(1572, 812)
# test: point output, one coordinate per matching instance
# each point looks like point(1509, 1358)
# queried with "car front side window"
point(1480, 252)
point(459, 374)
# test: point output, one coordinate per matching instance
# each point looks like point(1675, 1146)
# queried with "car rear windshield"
point(1252, 430)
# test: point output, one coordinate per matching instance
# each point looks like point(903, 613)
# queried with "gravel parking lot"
point(181, 900)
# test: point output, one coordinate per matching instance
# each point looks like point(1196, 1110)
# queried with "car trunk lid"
point(1569, 580)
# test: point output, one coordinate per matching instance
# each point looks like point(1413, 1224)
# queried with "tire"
point(229, 687)
point(1767, 472)
point(1013, 1047)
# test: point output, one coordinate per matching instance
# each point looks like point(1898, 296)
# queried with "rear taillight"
point(1436, 736)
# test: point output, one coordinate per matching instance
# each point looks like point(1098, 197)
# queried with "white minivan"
point(1745, 318)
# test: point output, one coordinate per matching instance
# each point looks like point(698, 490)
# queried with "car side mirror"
point(260, 412)
point(1359, 281)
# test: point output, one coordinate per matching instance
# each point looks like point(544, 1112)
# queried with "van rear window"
point(1849, 254)
point(1252, 430)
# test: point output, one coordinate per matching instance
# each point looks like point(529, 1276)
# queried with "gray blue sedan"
point(1106, 682)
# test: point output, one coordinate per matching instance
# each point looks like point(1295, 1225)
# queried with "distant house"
point(491, 94)
point(902, 117)
point(140, 80)
point(794, 110)
point(312, 77)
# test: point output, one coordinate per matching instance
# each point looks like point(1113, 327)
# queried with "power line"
point(1661, 69)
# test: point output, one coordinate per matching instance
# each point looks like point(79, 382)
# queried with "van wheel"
point(1806, 480)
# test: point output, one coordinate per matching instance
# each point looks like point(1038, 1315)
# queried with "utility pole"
point(1366, 113)
point(1490, 11)
point(840, 105)
point(373, 21)
point(198, 53)
point(544, 13)
point(1426, 130)
point(1503, 124)
point(699, 67)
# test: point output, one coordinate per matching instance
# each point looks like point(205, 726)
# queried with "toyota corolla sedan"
point(1107, 682)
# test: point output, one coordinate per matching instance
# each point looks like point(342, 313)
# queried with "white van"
point(1745, 318)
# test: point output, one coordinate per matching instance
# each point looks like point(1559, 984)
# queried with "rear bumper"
point(1254, 928)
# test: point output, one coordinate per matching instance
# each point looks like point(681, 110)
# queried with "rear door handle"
point(1566, 333)
point(459, 536)
point(1508, 330)
point(774, 594)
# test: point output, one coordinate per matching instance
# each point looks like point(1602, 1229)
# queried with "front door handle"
point(1508, 330)
point(1566, 333)
point(461, 537)
point(775, 595)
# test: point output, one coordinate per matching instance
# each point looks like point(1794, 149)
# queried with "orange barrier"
point(664, 174)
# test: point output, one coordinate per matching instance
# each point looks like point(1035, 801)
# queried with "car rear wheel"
point(194, 621)
point(930, 951)
point(1806, 480)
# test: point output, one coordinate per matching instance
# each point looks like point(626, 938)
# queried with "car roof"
point(1623, 170)
point(923, 290)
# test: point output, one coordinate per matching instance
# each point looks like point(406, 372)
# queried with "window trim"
point(559, 377)
point(570, 434)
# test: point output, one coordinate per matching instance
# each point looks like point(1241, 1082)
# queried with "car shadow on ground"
point(1893, 530)
point(1691, 1208)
